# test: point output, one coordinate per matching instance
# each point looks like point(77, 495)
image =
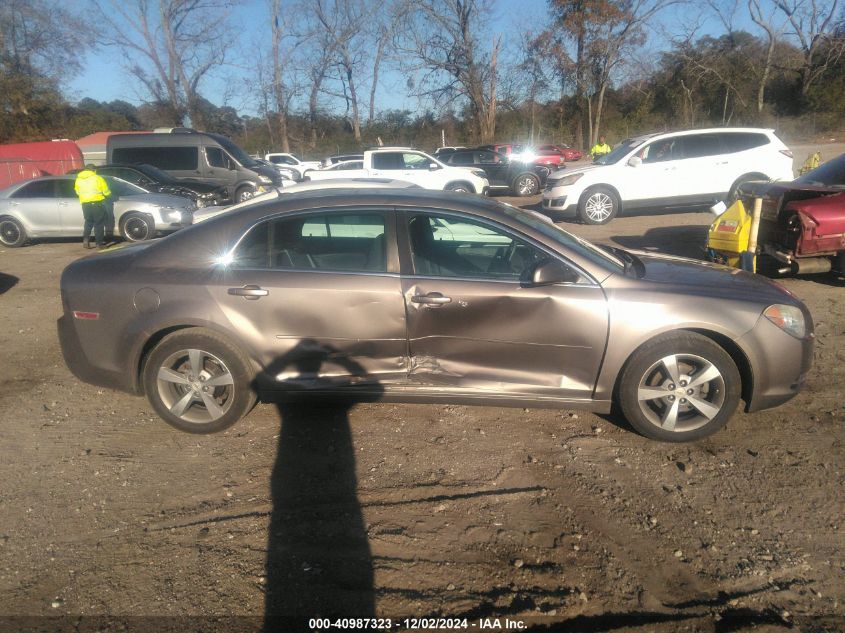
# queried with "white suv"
point(675, 169)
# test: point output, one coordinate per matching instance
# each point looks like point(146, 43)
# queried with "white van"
point(674, 169)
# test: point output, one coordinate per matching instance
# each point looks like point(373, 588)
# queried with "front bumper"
point(780, 363)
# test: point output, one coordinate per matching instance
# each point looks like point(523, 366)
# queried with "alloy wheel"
point(681, 392)
point(195, 386)
point(9, 232)
point(599, 207)
point(136, 229)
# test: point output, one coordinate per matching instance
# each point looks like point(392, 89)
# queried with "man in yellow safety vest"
point(92, 191)
point(600, 149)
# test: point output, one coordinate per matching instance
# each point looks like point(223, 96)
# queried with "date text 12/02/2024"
point(491, 624)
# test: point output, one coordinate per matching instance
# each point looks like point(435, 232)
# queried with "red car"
point(802, 226)
point(565, 152)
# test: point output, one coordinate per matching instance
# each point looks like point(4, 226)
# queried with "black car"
point(155, 180)
point(505, 175)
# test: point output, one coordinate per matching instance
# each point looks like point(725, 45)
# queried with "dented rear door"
point(474, 325)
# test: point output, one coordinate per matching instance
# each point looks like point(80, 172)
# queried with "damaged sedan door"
point(317, 296)
point(492, 314)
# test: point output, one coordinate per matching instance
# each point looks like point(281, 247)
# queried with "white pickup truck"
point(410, 165)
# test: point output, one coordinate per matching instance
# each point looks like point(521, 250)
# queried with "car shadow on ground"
point(7, 282)
point(683, 241)
point(318, 562)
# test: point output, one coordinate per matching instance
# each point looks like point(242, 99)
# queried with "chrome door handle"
point(250, 292)
point(431, 299)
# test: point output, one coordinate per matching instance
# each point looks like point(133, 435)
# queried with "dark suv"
point(505, 175)
point(153, 179)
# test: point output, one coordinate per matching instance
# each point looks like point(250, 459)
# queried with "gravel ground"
point(554, 518)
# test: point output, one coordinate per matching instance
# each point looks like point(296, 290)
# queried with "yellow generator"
point(727, 240)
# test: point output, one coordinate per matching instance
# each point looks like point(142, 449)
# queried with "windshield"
point(581, 246)
point(155, 174)
point(236, 152)
point(831, 174)
point(620, 151)
point(123, 188)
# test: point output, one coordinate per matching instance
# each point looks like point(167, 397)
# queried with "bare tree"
point(765, 19)
point(343, 22)
point(813, 24)
point(170, 46)
point(279, 89)
point(445, 38)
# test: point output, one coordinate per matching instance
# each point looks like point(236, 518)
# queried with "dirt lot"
point(557, 518)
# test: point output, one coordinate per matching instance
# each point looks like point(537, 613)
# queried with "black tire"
point(733, 193)
point(679, 416)
point(137, 227)
point(178, 377)
point(526, 185)
point(12, 233)
point(460, 187)
point(244, 193)
point(598, 205)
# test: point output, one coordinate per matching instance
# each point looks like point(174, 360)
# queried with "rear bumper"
point(79, 364)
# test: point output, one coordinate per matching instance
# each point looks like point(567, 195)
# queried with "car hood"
point(567, 171)
point(192, 185)
point(778, 189)
point(689, 276)
point(159, 199)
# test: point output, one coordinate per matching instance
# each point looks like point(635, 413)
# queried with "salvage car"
point(49, 207)
point(363, 295)
point(802, 225)
point(156, 181)
point(504, 175)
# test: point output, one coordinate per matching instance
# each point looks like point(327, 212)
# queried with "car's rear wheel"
point(598, 206)
point(137, 227)
point(12, 233)
point(526, 185)
point(460, 187)
point(198, 382)
point(679, 388)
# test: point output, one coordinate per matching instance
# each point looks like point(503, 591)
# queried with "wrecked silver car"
point(415, 296)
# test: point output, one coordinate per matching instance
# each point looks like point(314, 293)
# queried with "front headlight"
point(480, 173)
point(567, 180)
point(788, 318)
point(264, 179)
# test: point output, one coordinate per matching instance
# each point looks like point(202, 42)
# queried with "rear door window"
point(342, 242)
point(37, 189)
point(701, 145)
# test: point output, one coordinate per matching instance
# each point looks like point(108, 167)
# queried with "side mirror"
point(551, 271)
point(635, 161)
point(433, 166)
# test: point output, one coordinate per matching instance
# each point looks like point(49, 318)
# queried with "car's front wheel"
point(598, 206)
point(12, 233)
point(244, 193)
point(198, 382)
point(680, 387)
point(137, 227)
point(526, 185)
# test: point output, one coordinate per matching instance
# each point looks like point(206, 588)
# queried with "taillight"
point(91, 316)
point(786, 152)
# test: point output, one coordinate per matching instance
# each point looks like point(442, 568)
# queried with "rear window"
point(741, 141)
point(166, 158)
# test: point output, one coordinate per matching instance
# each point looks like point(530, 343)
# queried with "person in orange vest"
point(92, 191)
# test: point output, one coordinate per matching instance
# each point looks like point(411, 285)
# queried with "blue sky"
point(103, 77)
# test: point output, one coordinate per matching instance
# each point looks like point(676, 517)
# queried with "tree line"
point(312, 83)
